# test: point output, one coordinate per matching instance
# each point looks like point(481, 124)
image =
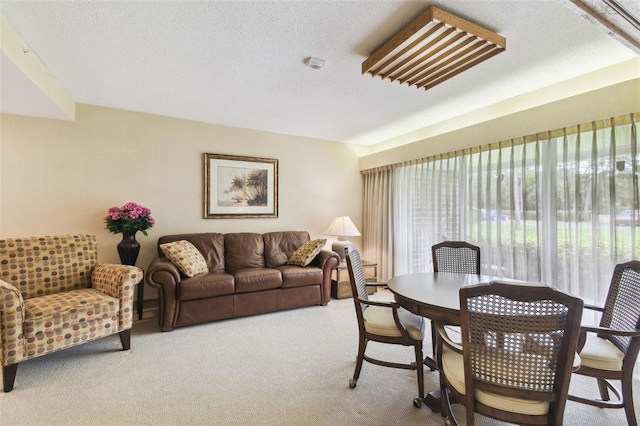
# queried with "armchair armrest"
point(602, 331)
point(11, 324)
point(118, 281)
point(390, 305)
point(445, 339)
point(594, 307)
point(375, 284)
point(605, 331)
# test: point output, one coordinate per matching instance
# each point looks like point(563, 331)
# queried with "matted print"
point(240, 187)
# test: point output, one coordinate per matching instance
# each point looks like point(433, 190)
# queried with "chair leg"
point(445, 403)
point(362, 346)
point(627, 397)
point(433, 339)
point(417, 402)
point(125, 339)
point(420, 370)
point(604, 390)
point(433, 347)
point(9, 376)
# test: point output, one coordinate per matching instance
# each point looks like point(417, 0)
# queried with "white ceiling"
point(241, 63)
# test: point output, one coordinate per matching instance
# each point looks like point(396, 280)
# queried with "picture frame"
point(237, 187)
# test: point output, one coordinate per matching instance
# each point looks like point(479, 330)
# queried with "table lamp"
point(342, 227)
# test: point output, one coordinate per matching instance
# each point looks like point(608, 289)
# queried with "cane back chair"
point(384, 322)
point(518, 352)
point(610, 351)
point(458, 257)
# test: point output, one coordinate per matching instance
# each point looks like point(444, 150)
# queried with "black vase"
point(128, 248)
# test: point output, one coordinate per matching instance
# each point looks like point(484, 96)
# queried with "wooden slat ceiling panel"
point(434, 47)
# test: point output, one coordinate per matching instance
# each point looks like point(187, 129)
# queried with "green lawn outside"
point(566, 236)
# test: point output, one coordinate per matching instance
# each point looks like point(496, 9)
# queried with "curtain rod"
point(570, 130)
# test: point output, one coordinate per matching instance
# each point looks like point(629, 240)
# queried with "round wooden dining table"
point(434, 295)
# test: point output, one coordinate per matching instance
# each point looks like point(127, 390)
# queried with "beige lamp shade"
point(342, 226)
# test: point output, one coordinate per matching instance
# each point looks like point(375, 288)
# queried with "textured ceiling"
point(241, 63)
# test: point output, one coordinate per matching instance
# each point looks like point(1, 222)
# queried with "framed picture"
point(240, 187)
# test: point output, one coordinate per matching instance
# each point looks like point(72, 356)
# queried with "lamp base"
point(340, 247)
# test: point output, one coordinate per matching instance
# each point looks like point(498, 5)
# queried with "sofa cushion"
point(307, 252)
point(62, 310)
point(243, 250)
point(279, 246)
point(209, 244)
point(206, 285)
point(256, 279)
point(186, 257)
point(298, 276)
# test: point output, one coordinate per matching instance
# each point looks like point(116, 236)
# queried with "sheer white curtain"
point(560, 207)
point(547, 207)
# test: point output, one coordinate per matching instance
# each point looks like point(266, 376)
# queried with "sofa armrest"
point(118, 281)
point(165, 276)
point(11, 324)
point(326, 256)
point(326, 260)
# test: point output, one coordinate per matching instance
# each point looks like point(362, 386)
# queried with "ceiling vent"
point(315, 63)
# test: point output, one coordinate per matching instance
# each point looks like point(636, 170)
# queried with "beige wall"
point(611, 101)
point(61, 177)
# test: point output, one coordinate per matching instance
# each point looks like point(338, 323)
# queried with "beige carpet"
point(285, 368)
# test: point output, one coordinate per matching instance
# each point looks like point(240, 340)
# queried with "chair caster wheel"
point(352, 383)
point(417, 402)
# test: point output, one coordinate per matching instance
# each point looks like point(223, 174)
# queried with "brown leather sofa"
point(248, 274)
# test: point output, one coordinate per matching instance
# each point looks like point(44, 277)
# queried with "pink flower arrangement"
point(130, 217)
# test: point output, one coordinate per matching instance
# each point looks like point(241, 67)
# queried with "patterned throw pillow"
point(307, 252)
point(186, 257)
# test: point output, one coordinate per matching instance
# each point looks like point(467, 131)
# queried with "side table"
point(340, 284)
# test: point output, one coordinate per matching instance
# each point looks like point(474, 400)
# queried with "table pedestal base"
point(431, 363)
point(432, 400)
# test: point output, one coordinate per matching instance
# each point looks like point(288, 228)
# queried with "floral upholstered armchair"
point(54, 295)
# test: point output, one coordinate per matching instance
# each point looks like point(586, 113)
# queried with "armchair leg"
point(604, 390)
point(627, 398)
point(420, 370)
point(125, 339)
point(9, 376)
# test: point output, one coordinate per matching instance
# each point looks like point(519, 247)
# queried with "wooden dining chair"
point(610, 351)
point(384, 322)
point(458, 257)
point(517, 353)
